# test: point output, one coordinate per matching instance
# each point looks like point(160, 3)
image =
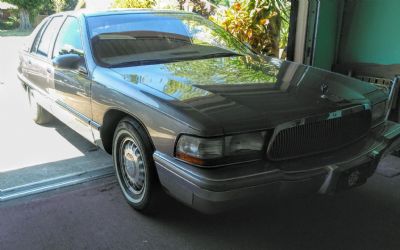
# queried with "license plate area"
point(355, 176)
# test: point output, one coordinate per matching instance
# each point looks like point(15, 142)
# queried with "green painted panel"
point(325, 46)
point(371, 32)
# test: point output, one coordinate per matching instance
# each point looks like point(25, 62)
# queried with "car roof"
point(90, 13)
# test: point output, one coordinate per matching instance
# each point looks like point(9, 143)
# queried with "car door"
point(72, 86)
point(39, 68)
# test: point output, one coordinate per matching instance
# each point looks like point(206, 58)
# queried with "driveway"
point(31, 154)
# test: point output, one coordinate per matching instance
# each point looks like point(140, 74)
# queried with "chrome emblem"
point(353, 179)
point(324, 90)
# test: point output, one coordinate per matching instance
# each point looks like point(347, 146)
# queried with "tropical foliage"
point(203, 7)
point(58, 5)
point(11, 22)
point(28, 9)
point(134, 3)
point(25, 9)
point(263, 24)
point(166, 4)
point(63, 5)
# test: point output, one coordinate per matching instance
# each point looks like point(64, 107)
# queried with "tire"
point(38, 113)
point(134, 165)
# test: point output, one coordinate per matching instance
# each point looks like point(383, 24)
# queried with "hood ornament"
point(330, 96)
point(324, 90)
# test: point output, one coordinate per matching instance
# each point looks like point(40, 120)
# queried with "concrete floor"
point(95, 216)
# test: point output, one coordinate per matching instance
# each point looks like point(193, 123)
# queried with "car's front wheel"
point(38, 113)
point(134, 165)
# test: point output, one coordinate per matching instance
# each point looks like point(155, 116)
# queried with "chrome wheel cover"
point(133, 171)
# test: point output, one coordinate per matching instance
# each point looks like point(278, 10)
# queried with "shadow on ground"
point(96, 216)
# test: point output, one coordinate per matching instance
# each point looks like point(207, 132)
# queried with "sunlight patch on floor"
point(23, 143)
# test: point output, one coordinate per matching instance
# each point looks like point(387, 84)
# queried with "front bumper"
point(213, 190)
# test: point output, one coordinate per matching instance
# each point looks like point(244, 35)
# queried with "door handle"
point(49, 70)
point(82, 70)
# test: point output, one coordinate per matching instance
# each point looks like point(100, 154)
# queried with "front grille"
point(319, 136)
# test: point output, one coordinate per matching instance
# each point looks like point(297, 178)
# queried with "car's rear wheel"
point(134, 165)
point(38, 113)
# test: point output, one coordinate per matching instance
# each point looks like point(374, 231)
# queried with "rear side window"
point(69, 39)
point(48, 36)
point(34, 38)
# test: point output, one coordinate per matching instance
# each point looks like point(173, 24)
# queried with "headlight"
point(244, 143)
point(208, 151)
point(378, 111)
point(199, 148)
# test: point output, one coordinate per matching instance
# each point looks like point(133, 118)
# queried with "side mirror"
point(67, 61)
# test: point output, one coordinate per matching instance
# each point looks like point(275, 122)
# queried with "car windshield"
point(150, 38)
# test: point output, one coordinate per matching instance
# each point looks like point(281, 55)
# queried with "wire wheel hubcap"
point(132, 166)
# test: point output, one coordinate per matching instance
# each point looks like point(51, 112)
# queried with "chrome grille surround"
point(319, 134)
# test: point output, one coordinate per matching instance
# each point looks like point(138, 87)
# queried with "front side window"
point(69, 40)
point(48, 36)
point(149, 38)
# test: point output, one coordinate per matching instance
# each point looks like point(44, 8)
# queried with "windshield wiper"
point(139, 63)
point(176, 59)
point(219, 54)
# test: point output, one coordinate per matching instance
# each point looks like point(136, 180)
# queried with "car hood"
point(244, 93)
